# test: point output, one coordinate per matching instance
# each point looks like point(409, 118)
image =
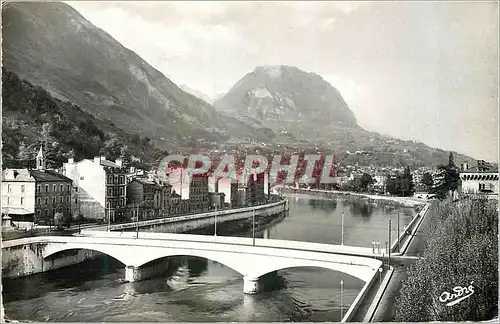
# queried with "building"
point(479, 179)
point(234, 193)
point(100, 188)
point(216, 200)
point(18, 196)
point(37, 196)
point(142, 198)
point(256, 189)
point(52, 197)
point(198, 193)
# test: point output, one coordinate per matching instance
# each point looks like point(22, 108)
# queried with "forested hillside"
point(32, 117)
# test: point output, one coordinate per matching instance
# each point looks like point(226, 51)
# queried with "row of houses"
point(99, 189)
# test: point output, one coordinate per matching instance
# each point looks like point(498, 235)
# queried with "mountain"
point(288, 100)
point(196, 93)
point(305, 111)
point(31, 117)
point(51, 45)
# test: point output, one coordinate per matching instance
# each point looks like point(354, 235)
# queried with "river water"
point(201, 290)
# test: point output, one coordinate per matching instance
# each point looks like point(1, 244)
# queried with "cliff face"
point(287, 99)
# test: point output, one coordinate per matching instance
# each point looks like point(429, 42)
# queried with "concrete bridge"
point(251, 258)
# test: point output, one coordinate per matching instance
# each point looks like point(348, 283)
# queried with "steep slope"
point(196, 93)
point(306, 111)
point(32, 117)
point(53, 46)
point(287, 99)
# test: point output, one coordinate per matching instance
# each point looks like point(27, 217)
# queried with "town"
point(102, 191)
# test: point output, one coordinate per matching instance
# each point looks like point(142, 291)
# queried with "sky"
point(424, 71)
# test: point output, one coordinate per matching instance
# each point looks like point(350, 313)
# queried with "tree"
point(24, 155)
point(452, 178)
point(448, 179)
point(427, 180)
point(462, 250)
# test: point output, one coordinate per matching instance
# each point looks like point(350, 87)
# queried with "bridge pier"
point(132, 274)
point(250, 285)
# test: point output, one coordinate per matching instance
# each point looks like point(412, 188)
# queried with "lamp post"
point(399, 241)
point(137, 221)
point(341, 300)
point(342, 242)
point(215, 221)
point(109, 217)
point(389, 256)
point(253, 227)
point(380, 274)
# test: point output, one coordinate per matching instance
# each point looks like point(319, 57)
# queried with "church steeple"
point(40, 160)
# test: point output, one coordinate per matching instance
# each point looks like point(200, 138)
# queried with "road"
point(386, 310)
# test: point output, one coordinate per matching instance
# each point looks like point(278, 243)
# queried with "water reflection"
point(324, 204)
point(361, 208)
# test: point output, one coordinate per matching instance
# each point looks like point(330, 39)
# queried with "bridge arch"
point(54, 248)
point(249, 263)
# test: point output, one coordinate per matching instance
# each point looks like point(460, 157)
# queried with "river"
point(204, 291)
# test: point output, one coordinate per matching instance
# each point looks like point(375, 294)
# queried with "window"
point(46, 200)
point(53, 212)
point(122, 179)
point(38, 188)
point(54, 188)
point(60, 200)
point(110, 191)
point(22, 200)
point(38, 213)
point(76, 189)
point(46, 188)
point(46, 213)
point(38, 201)
point(68, 187)
point(9, 188)
point(53, 200)
point(76, 200)
point(22, 188)
point(67, 199)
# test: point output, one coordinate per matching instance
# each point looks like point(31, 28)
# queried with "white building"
point(479, 179)
point(18, 196)
point(99, 185)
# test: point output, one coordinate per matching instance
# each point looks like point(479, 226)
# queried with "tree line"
point(461, 252)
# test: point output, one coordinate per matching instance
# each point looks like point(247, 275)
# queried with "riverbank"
point(390, 201)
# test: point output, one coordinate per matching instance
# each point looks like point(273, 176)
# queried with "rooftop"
point(17, 175)
point(48, 175)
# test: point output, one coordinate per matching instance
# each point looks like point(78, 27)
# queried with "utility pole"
point(137, 222)
point(399, 241)
point(215, 222)
point(342, 242)
point(341, 300)
point(389, 259)
point(253, 227)
point(109, 219)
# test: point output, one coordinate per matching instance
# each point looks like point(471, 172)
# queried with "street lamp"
point(342, 243)
point(341, 300)
point(137, 218)
point(253, 227)
point(380, 274)
point(215, 221)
